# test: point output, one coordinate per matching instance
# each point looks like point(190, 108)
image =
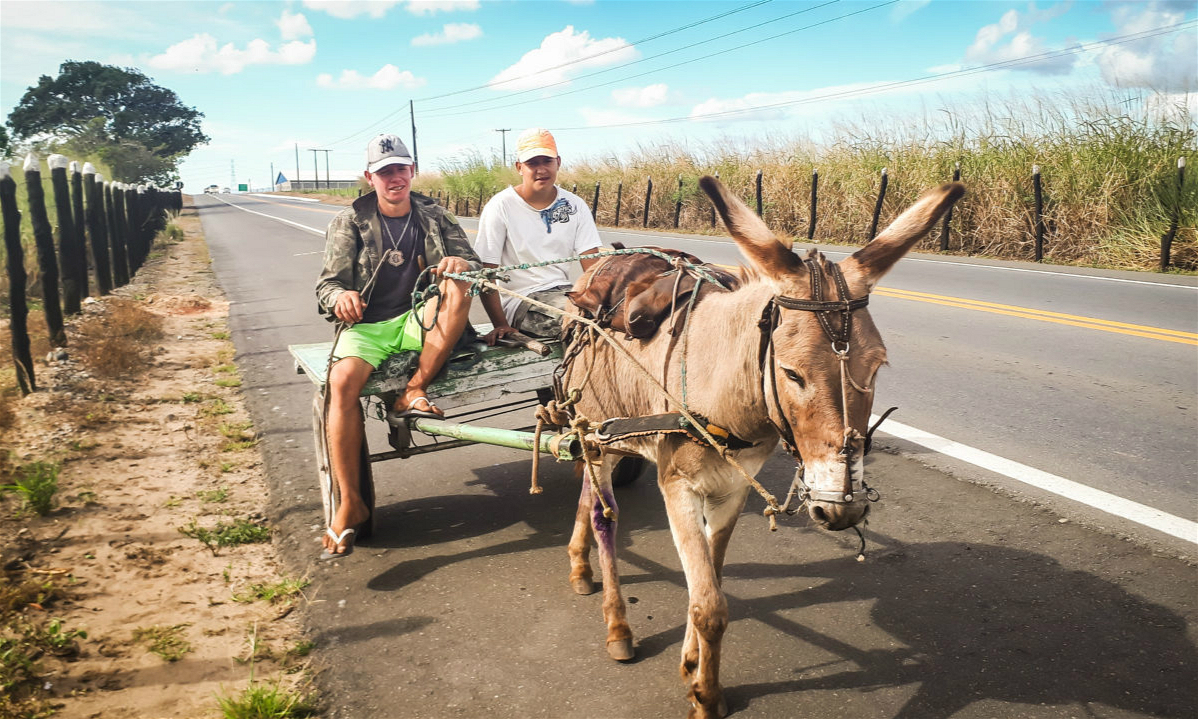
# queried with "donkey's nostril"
point(817, 512)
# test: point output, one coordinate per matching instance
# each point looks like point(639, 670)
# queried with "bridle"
point(838, 334)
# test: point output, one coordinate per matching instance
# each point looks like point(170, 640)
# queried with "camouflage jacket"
point(354, 247)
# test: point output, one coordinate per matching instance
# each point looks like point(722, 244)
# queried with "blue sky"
point(607, 76)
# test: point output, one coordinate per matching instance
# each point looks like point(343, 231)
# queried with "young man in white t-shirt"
point(531, 223)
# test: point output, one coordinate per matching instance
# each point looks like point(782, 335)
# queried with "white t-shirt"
point(512, 232)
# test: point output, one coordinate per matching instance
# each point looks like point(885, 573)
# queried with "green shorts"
point(376, 341)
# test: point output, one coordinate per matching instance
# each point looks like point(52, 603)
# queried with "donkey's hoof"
point(620, 650)
point(582, 585)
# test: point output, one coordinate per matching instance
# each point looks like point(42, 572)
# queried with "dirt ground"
point(144, 458)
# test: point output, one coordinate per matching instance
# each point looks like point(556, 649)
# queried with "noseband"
point(838, 334)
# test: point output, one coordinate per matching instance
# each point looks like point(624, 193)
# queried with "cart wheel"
point(330, 494)
point(627, 470)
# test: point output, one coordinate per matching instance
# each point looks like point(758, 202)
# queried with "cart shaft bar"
point(567, 449)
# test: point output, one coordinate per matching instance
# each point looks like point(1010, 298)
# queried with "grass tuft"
point(118, 341)
point(37, 483)
point(266, 701)
point(166, 642)
point(283, 589)
point(241, 531)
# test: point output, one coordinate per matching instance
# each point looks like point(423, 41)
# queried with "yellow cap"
point(535, 142)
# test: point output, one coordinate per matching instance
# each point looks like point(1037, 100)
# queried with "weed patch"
point(284, 589)
point(36, 482)
point(215, 407)
point(259, 700)
point(241, 531)
point(166, 642)
point(118, 341)
point(240, 436)
point(211, 496)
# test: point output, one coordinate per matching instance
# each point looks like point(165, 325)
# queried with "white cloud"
point(200, 54)
point(559, 48)
point(450, 33)
point(991, 44)
point(907, 7)
point(388, 77)
point(293, 26)
point(429, 7)
point(1167, 62)
point(641, 96)
point(348, 9)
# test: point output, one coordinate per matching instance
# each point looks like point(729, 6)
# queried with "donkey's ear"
point(767, 253)
point(868, 264)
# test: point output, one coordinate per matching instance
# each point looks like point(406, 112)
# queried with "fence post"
point(80, 222)
point(1038, 190)
point(873, 225)
point(1167, 238)
point(948, 216)
point(132, 227)
point(619, 196)
point(65, 232)
point(112, 207)
point(717, 176)
point(480, 202)
point(18, 316)
point(93, 188)
point(595, 203)
point(678, 203)
point(814, 196)
point(575, 189)
point(43, 239)
point(758, 183)
point(648, 196)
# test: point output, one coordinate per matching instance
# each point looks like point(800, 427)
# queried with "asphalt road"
point(972, 602)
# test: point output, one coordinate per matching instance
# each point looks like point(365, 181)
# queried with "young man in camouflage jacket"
point(374, 253)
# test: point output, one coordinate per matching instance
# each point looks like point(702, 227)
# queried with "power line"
point(636, 62)
point(583, 59)
point(1001, 65)
point(677, 64)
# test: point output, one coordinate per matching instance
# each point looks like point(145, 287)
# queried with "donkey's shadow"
point(987, 622)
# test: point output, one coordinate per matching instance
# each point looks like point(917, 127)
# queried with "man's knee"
point(455, 293)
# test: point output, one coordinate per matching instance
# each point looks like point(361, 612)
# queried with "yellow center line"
point(1156, 333)
point(1093, 323)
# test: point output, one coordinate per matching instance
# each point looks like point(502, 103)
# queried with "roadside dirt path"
point(145, 458)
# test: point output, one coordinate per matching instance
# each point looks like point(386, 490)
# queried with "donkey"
point(791, 354)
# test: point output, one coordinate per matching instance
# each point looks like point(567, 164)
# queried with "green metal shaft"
point(569, 449)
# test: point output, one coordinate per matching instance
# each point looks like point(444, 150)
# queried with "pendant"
point(395, 258)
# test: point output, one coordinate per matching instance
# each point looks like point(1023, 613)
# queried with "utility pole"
point(272, 177)
point(503, 133)
point(316, 167)
point(232, 177)
point(415, 155)
point(297, 163)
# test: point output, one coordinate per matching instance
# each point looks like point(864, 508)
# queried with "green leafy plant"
point(259, 701)
point(36, 482)
point(228, 382)
point(216, 406)
point(240, 436)
point(222, 335)
point(192, 397)
point(211, 496)
point(241, 531)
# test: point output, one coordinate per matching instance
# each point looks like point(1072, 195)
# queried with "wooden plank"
point(489, 373)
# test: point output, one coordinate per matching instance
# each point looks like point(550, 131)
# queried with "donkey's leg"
point(580, 542)
point(721, 514)
point(707, 612)
point(619, 634)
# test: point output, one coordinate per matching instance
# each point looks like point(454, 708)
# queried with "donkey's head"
point(822, 352)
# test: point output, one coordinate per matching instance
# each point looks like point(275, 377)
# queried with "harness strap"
point(618, 428)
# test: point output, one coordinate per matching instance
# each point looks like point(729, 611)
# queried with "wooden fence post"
point(480, 202)
point(758, 182)
point(575, 189)
point(1167, 238)
point(65, 232)
point(79, 225)
point(814, 196)
point(948, 216)
point(18, 316)
point(1039, 193)
point(619, 196)
point(873, 225)
point(595, 203)
point(113, 202)
point(648, 197)
point(94, 217)
point(678, 203)
point(43, 239)
point(132, 230)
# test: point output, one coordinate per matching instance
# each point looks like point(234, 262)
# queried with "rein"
point(838, 334)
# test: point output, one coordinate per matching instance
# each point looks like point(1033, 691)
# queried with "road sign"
point(243, 188)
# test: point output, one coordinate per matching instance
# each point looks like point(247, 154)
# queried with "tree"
point(110, 109)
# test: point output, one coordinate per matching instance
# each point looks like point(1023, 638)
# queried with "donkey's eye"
point(794, 377)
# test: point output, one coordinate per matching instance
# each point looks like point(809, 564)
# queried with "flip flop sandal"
point(340, 539)
point(394, 417)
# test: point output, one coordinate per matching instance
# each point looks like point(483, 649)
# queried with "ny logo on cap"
point(385, 145)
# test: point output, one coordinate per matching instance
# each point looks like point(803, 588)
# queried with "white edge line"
point(1096, 498)
point(287, 198)
point(313, 230)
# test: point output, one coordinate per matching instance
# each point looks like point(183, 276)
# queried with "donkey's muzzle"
point(836, 516)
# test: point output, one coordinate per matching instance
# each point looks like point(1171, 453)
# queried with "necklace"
point(393, 256)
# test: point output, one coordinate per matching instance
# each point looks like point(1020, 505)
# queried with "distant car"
point(224, 190)
point(211, 190)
